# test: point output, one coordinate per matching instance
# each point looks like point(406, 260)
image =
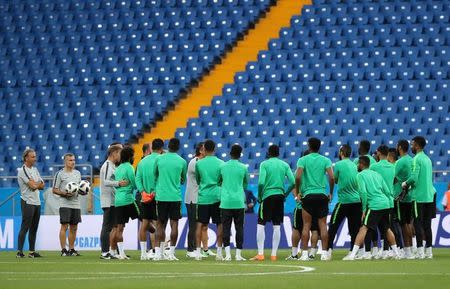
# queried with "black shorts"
point(168, 210)
point(298, 221)
point(271, 210)
point(423, 211)
point(406, 216)
point(124, 213)
point(69, 216)
point(148, 211)
point(206, 212)
point(316, 205)
point(396, 212)
point(377, 219)
point(109, 216)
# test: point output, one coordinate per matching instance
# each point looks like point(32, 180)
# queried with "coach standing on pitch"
point(107, 194)
point(30, 182)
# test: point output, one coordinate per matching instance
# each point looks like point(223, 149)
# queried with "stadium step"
point(245, 50)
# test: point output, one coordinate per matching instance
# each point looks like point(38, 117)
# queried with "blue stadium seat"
point(89, 51)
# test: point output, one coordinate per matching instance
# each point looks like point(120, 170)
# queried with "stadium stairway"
point(245, 50)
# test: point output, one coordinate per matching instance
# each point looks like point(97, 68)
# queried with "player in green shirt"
point(145, 183)
point(364, 150)
point(271, 195)
point(170, 172)
point(422, 192)
point(233, 179)
point(125, 205)
point(376, 207)
point(297, 228)
point(349, 202)
point(387, 172)
point(402, 173)
point(207, 172)
point(310, 177)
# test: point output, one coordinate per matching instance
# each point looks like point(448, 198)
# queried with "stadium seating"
point(76, 75)
point(343, 71)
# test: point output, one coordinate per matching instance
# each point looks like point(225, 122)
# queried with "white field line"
point(125, 262)
point(152, 275)
point(203, 275)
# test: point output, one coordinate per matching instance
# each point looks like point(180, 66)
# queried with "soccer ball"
point(72, 188)
point(84, 188)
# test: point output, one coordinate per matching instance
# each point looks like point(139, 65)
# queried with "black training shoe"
point(73, 252)
point(107, 256)
point(34, 255)
point(20, 254)
point(64, 252)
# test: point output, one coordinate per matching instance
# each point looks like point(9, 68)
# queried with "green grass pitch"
point(88, 271)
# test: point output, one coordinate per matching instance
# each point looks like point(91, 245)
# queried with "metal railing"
point(9, 198)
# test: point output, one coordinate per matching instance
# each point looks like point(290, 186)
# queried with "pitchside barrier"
point(88, 237)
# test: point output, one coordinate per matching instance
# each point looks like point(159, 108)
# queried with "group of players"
point(390, 196)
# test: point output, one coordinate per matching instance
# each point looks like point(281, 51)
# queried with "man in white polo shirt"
point(30, 182)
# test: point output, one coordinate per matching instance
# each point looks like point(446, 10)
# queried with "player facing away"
point(387, 172)
point(422, 191)
point(376, 203)
point(233, 180)
point(404, 202)
point(107, 193)
point(145, 183)
point(349, 202)
point(364, 150)
point(271, 195)
point(207, 172)
point(125, 205)
point(170, 173)
point(310, 189)
point(69, 211)
point(297, 228)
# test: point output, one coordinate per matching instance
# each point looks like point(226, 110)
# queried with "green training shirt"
point(233, 179)
point(207, 172)
point(345, 172)
point(387, 172)
point(145, 175)
point(372, 160)
point(272, 175)
point(314, 180)
point(170, 173)
point(402, 172)
point(421, 179)
point(374, 192)
point(124, 195)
